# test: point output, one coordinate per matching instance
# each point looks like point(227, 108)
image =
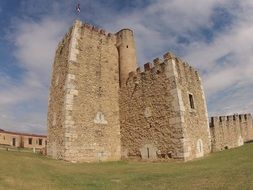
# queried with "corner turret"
point(127, 54)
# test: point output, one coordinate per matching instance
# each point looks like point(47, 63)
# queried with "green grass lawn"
point(230, 169)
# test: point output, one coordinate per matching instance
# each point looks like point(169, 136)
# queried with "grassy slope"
point(230, 169)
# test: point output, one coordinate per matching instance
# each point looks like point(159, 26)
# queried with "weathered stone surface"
point(230, 131)
point(148, 152)
point(155, 109)
point(102, 107)
point(86, 102)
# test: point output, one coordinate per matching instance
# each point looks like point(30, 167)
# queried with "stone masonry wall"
point(7, 139)
point(22, 140)
point(230, 131)
point(56, 117)
point(146, 106)
point(158, 113)
point(83, 116)
point(194, 118)
point(156, 121)
point(95, 134)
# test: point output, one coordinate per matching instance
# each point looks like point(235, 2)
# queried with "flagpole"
point(78, 10)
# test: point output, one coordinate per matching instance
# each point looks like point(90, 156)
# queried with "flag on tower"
point(78, 9)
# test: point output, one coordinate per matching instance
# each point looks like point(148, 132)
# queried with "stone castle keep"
point(102, 107)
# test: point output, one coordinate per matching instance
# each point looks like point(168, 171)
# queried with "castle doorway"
point(148, 151)
point(13, 141)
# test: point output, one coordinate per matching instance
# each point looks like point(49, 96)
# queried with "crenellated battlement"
point(148, 68)
point(185, 70)
point(224, 120)
point(156, 97)
point(97, 30)
point(159, 66)
point(230, 131)
point(88, 28)
point(103, 108)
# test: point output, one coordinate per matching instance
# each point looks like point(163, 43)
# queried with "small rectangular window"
point(191, 101)
point(30, 141)
point(40, 141)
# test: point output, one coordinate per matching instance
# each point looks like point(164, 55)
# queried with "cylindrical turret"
point(127, 54)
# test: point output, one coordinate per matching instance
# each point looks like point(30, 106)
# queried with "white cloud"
point(226, 60)
point(158, 26)
point(35, 46)
point(235, 73)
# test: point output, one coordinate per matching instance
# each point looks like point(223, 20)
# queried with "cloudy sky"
point(215, 36)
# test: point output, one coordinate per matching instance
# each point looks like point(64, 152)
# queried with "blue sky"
point(213, 36)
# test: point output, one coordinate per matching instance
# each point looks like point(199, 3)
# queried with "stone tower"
point(103, 108)
point(163, 112)
point(127, 53)
point(83, 115)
